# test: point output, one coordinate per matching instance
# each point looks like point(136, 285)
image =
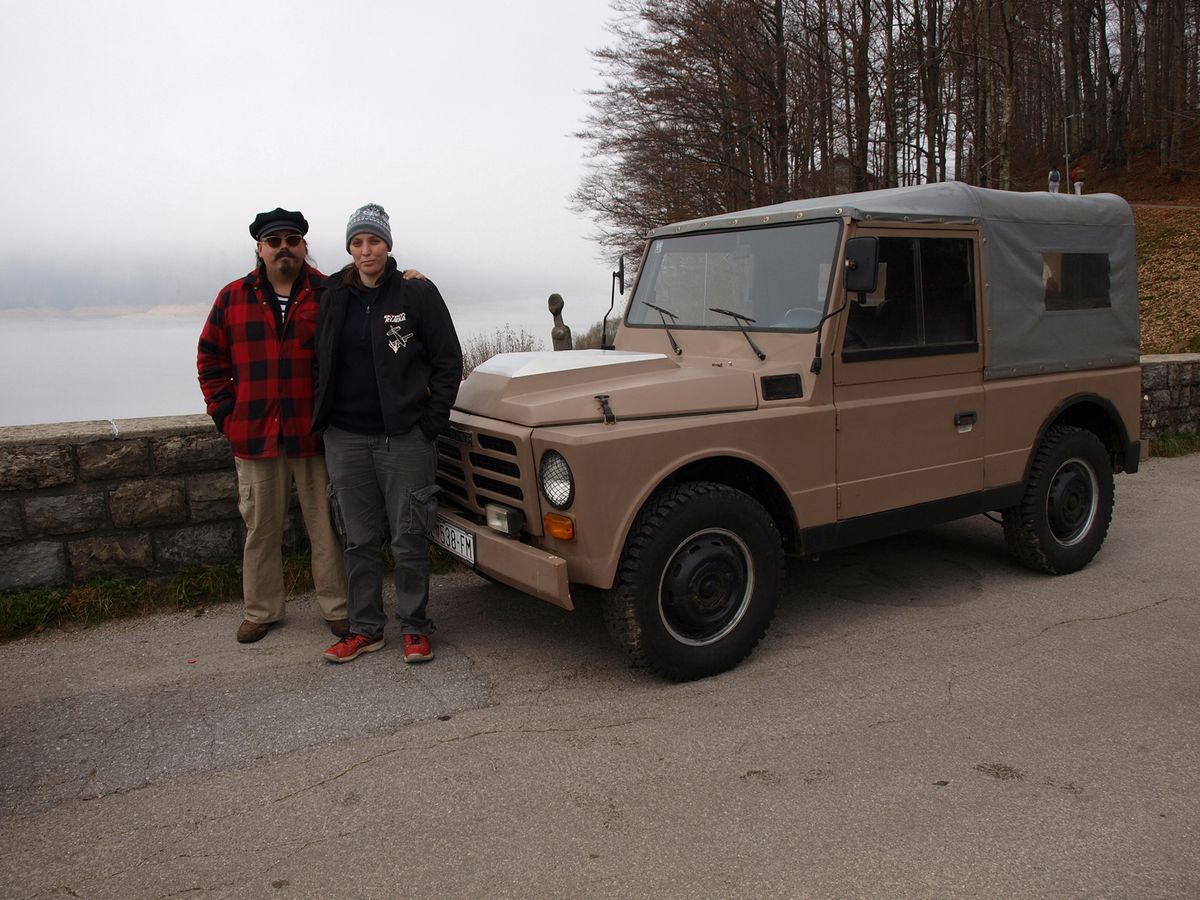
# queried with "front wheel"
point(698, 581)
point(1063, 517)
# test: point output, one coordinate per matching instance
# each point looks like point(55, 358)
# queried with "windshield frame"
point(650, 266)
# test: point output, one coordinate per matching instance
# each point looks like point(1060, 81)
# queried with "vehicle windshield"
point(776, 276)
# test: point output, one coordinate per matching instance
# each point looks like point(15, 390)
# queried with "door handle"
point(964, 419)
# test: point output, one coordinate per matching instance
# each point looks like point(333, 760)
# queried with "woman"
point(388, 369)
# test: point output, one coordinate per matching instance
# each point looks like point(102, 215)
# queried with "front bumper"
point(528, 569)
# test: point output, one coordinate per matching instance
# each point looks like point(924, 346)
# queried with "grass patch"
point(196, 587)
point(1175, 443)
point(105, 599)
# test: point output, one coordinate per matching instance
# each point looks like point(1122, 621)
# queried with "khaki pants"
point(264, 488)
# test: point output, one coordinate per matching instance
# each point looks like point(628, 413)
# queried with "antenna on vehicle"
point(815, 368)
point(618, 279)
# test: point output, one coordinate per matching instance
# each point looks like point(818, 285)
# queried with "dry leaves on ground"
point(1168, 249)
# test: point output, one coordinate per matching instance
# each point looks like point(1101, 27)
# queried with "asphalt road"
point(924, 719)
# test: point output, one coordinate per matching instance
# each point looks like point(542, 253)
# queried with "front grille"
point(498, 487)
point(500, 445)
point(448, 450)
point(504, 467)
point(457, 490)
point(475, 468)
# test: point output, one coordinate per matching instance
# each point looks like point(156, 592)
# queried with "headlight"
point(558, 484)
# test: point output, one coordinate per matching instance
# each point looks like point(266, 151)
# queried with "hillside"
point(1168, 242)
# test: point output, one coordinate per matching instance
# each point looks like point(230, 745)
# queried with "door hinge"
point(838, 494)
point(837, 420)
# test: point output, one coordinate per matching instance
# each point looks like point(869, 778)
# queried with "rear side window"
point(923, 303)
point(1076, 281)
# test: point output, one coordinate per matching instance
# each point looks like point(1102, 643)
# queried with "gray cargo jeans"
point(380, 484)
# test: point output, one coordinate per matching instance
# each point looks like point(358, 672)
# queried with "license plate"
point(456, 540)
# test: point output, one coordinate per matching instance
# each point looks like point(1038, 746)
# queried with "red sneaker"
point(416, 648)
point(351, 646)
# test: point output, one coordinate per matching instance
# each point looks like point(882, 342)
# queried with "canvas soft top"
point(1021, 230)
point(943, 202)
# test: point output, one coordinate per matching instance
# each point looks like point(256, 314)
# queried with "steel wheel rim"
point(706, 586)
point(1072, 501)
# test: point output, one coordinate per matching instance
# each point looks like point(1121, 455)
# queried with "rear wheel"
point(1063, 517)
point(698, 581)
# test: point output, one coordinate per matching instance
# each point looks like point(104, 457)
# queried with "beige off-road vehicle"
point(799, 378)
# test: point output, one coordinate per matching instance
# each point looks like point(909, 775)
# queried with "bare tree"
point(713, 105)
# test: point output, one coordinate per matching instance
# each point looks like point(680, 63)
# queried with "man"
point(1053, 180)
point(255, 363)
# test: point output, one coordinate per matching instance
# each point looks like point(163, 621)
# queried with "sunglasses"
point(274, 240)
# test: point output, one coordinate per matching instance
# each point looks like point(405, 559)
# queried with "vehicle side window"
point(1076, 281)
point(923, 304)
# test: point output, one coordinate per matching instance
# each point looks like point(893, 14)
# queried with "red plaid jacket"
point(258, 383)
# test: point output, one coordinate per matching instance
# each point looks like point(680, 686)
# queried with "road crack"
point(1127, 612)
point(455, 739)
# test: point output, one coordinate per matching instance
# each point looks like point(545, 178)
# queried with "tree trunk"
point(862, 96)
point(1008, 24)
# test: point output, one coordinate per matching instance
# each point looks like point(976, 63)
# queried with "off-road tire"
point(698, 581)
point(1063, 517)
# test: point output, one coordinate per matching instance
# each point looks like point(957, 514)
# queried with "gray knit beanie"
point(373, 220)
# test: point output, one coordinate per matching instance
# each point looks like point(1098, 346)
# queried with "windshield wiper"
point(662, 314)
point(739, 319)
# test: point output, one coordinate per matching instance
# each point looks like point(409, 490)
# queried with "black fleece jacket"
point(417, 357)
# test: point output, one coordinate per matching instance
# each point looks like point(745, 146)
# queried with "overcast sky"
point(140, 138)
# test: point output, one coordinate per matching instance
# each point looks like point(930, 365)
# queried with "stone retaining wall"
point(135, 497)
point(1170, 394)
point(146, 496)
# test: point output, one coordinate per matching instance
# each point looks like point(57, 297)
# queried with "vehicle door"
point(908, 376)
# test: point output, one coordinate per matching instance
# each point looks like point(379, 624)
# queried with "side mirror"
point(618, 280)
point(862, 264)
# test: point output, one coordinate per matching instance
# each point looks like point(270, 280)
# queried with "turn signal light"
point(560, 527)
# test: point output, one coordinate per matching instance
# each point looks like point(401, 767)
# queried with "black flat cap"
point(277, 219)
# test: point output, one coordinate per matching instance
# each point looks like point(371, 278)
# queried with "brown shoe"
point(339, 627)
point(249, 632)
